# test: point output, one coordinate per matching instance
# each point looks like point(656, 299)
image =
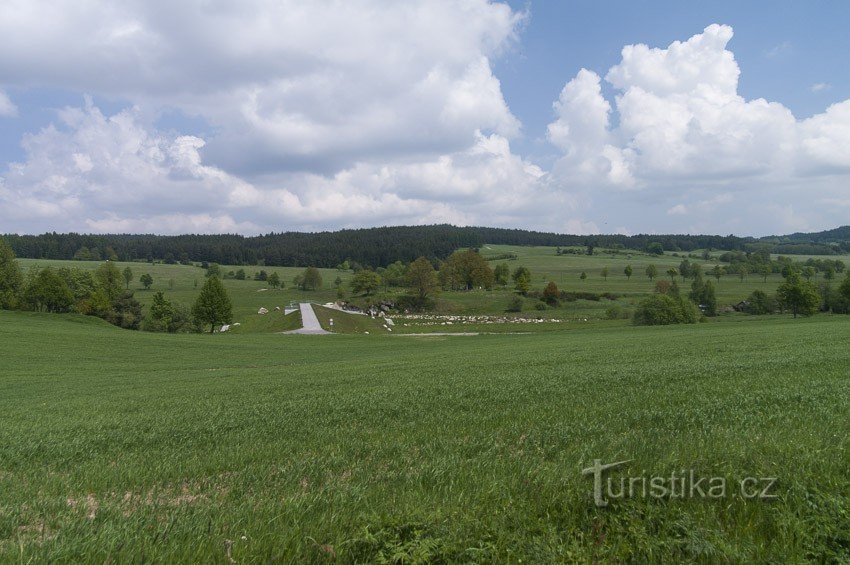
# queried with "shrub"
point(540, 306)
point(617, 313)
point(515, 305)
point(662, 310)
point(760, 303)
point(414, 303)
point(551, 294)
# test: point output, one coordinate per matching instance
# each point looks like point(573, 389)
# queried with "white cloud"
point(289, 86)
point(687, 142)
point(7, 107)
point(102, 173)
point(820, 86)
point(334, 114)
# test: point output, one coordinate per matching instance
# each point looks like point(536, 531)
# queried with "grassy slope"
point(146, 446)
point(348, 323)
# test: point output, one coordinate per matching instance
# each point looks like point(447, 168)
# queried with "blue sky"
point(783, 48)
point(721, 117)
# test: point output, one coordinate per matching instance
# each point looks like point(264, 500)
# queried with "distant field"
point(178, 282)
point(121, 446)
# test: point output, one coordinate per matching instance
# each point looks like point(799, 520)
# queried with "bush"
point(540, 306)
point(617, 313)
point(760, 303)
point(662, 310)
point(551, 294)
point(515, 305)
point(413, 303)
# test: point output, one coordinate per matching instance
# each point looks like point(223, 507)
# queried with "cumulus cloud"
point(295, 86)
point(7, 107)
point(104, 173)
point(335, 114)
point(687, 141)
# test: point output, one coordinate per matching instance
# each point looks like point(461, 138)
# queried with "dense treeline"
point(378, 247)
point(837, 239)
point(373, 247)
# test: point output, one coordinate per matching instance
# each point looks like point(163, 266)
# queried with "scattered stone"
point(262, 311)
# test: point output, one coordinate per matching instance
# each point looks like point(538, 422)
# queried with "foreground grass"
point(127, 446)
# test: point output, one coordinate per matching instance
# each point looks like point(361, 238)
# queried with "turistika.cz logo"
point(680, 485)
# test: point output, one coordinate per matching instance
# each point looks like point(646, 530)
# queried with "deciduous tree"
point(11, 277)
point(651, 272)
point(128, 276)
point(522, 280)
point(798, 295)
point(421, 278)
point(365, 282)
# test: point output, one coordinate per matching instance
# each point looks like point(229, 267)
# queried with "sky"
point(216, 116)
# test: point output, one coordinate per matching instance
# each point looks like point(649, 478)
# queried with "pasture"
point(180, 283)
point(120, 446)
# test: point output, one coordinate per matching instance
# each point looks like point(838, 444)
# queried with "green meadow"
point(122, 446)
point(181, 283)
point(253, 446)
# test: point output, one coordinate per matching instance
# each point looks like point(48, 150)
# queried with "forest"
point(381, 246)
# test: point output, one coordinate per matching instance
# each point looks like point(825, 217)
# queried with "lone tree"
point(213, 305)
point(551, 294)
point(717, 272)
point(128, 277)
point(311, 279)
point(466, 270)
point(764, 271)
point(651, 272)
point(798, 295)
point(628, 272)
point(604, 273)
point(146, 280)
point(421, 278)
point(11, 278)
point(672, 272)
point(501, 273)
point(583, 275)
point(365, 282)
point(274, 280)
point(522, 280)
point(743, 271)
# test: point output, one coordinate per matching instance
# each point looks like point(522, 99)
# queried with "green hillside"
point(118, 445)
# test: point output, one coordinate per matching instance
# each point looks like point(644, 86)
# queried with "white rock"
point(262, 311)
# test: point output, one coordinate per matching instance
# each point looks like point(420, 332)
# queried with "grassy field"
point(181, 283)
point(120, 446)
